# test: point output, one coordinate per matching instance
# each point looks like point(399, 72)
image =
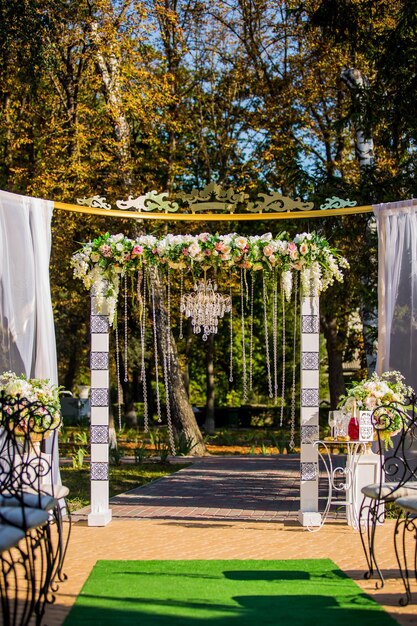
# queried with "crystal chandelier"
point(205, 306)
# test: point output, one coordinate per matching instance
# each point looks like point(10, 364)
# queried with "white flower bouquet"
point(379, 392)
point(37, 402)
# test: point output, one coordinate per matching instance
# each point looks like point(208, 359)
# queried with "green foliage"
point(78, 458)
point(81, 437)
point(115, 456)
point(121, 479)
point(160, 443)
point(141, 453)
point(183, 444)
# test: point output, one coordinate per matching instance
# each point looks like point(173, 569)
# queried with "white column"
point(99, 430)
point(309, 398)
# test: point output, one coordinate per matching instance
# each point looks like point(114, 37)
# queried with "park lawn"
point(122, 478)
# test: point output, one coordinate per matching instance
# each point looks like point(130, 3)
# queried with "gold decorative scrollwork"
point(337, 203)
point(151, 201)
point(277, 202)
point(96, 202)
point(213, 198)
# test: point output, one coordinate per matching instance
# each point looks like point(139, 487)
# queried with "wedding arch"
point(299, 268)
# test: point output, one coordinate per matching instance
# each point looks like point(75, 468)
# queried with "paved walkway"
point(224, 508)
point(221, 488)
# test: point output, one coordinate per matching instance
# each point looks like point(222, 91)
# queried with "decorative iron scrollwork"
point(151, 201)
point(213, 198)
point(337, 203)
point(277, 202)
point(95, 202)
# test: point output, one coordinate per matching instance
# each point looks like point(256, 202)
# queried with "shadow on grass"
point(247, 610)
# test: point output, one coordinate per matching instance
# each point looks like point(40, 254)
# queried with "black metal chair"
point(406, 524)
point(27, 499)
point(397, 475)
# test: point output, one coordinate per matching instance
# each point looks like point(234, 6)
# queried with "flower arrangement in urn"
point(36, 400)
point(377, 391)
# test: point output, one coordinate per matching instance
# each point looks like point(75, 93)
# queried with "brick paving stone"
point(224, 508)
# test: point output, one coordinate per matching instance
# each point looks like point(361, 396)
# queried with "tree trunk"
point(181, 411)
point(209, 424)
point(108, 64)
point(335, 359)
point(357, 83)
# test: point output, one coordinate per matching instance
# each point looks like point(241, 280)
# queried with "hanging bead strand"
point(168, 343)
point(275, 333)
point(231, 334)
point(292, 433)
point(119, 387)
point(283, 358)
point(166, 339)
point(267, 357)
point(126, 378)
point(181, 301)
point(155, 339)
point(242, 314)
point(143, 346)
point(251, 333)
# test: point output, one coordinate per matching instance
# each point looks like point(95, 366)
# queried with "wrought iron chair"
point(26, 566)
point(16, 577)
point(397, 475)
point(27, 493)
point(406, 523)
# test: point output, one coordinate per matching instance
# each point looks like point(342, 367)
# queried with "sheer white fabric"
point(27, 332)
point(397, 288)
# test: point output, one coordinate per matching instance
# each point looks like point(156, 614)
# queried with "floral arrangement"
point(102, 261)
point(379, 391)
point(46, 410)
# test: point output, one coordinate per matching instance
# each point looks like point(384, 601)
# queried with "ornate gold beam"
point(212, 217)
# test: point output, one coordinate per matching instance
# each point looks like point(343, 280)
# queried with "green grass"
point(121, 479)
point(308, 592)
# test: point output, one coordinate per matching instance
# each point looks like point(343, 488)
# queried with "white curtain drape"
point(397, 288)
point(27, 332)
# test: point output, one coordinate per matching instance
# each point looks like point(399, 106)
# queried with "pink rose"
point(291, 246)
point(137, 250)
point(207, 252)
point(268, 250)
point(185, 251)
point(219, 246)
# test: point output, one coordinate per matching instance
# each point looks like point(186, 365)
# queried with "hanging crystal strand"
point(268, 360)
point(143, 345)
point(125, 329)
point(181, 298)
point(283, 358)
point(242, 305)
point(251, 333)
point(231, 333)
point(165, 366)
point(168, 344)
point(292, 434)
point(119, 387)
point(275, 333)
point(155, 340)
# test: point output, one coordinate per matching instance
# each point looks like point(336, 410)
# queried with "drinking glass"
point(341, 425)
point(332, 422)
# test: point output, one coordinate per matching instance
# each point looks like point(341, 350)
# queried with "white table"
point(362, 468)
